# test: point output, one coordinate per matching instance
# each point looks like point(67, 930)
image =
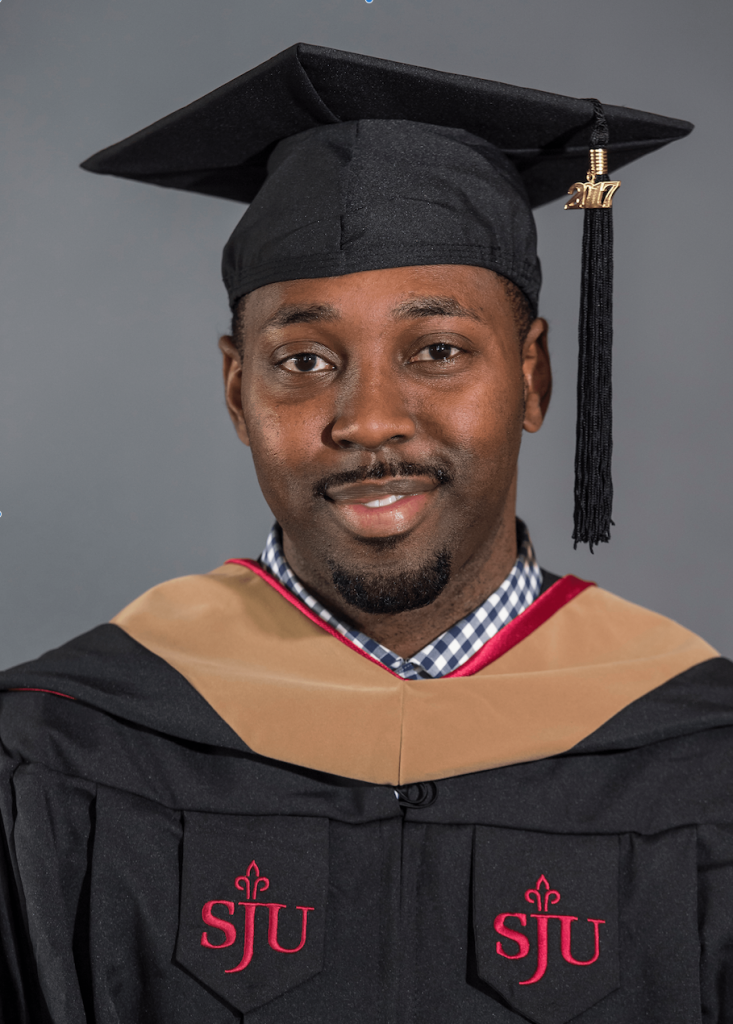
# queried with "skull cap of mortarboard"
point(352, 163)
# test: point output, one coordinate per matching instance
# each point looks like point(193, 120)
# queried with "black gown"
point(155, 870)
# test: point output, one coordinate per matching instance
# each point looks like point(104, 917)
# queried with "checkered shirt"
point(452, 648)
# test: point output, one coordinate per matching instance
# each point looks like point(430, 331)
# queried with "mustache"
point(380, 470)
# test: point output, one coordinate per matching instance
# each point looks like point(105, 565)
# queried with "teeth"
point(389, 500)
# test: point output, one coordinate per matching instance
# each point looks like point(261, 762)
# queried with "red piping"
point(249, 563)
point(542, 609)
point(37, 689)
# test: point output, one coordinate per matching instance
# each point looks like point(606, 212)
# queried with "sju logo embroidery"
point(543, 897)
point(549, 948)
point(251, 883)
point(254, 904)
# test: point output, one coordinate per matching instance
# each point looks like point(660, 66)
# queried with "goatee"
point(388, 593)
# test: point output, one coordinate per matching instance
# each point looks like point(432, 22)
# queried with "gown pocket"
point(253, 904)
point(598, 927)
point(546, 920)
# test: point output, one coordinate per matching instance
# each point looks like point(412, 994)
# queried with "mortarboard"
point(353, 163)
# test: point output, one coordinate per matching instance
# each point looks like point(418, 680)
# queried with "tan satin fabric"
point(295, 693)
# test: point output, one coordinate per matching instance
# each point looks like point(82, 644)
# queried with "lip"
point(349, 504)
point(373, 490)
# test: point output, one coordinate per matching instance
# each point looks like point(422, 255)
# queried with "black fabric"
point(295, 851)
point(219, 144)
point(367, 195)
point(584, 872)
point(665, 713)
point(118, 830)
point(354, 163)
point(108, 669)
point(548, 578)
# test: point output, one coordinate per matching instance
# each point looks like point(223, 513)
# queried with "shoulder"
point(234, 599)
point(675, 684)
point(583, 624)
point(72, 696)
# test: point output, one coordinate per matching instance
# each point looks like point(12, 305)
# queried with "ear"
point(537, 375)
point(233, 386)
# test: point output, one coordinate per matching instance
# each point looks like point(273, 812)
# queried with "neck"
point(471, 582)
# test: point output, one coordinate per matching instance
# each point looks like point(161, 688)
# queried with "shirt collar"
point(453, 647)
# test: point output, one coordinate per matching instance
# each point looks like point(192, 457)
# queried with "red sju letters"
point(543, 897)
point(250, 883)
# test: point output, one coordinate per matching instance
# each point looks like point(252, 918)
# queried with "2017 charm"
point(592, 194)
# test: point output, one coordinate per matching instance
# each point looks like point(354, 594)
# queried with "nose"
point(372, 414)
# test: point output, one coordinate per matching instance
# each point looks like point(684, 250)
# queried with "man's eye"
point(440, 352)
point(305, 362)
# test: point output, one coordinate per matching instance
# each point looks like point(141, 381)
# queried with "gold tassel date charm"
point(591, 194)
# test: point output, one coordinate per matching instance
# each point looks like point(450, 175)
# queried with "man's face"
point(384, 411)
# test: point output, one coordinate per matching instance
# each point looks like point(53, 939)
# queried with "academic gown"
point(215, 810)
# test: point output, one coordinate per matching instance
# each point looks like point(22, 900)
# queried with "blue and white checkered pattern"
point(452, 648)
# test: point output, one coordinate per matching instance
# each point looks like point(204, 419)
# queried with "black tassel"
point(594, 439)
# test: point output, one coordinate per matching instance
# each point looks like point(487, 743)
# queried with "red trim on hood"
point(37, 689)
point(249, 563)
point(541, 609)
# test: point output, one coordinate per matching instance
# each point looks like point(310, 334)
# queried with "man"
point(392, 771)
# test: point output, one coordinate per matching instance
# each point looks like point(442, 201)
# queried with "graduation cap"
point(353, 163)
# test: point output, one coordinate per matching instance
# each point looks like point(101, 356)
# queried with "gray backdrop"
point(118, 465)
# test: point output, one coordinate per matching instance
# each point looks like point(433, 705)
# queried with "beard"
point(388, 593)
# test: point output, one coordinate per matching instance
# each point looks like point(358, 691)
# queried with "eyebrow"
point(433, 305)
point(425, 306)
point(301, 314)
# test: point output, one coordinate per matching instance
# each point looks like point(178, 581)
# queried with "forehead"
point(469, 290)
